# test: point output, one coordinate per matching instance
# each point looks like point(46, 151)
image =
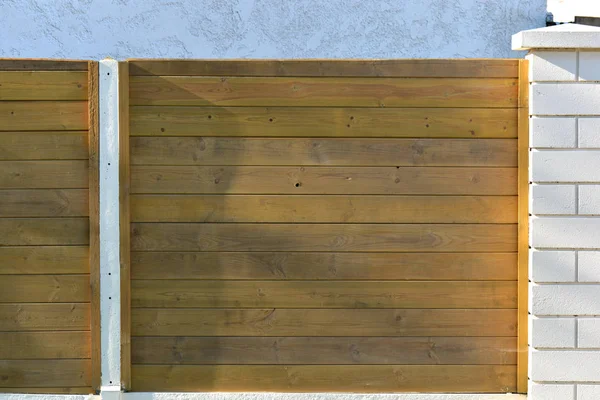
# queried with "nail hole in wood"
point(297, 184)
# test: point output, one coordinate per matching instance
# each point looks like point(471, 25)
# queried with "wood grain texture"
point(48, 390)
point(44, 203)
point(43, 85)
point(43, 115)
point(65, 145)
point(324, 350)
point(44, 289)
point(24, 260)
point(39, 64)
point(325, 92)
point(309, 208)
point(324, 180)
point(323, 237)
point(324, 266)
point(45, 317)
point(44, 231)
point(44, 345)
point(45, 373)
point(334, 152)
point(322, 322)
point(44, 174)
point(324, 122)
point(438, 68)
point(319, 294)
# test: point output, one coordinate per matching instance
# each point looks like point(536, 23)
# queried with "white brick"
point(589, 199)
point(589, 266)
point(566, 233)
point(588, 392)
point(588, 333)
point(565, 299)
point(553, 266)
point(566, 166)
point(565, 99)
point(542, 391)
point(553, 333)
point(589, 66)
point(553, 199)
point(553, 132)
point(565, 366)
point(589, 132)
point(553, 66)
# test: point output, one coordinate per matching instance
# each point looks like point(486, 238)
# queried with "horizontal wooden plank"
point(44, 289)
point(321, 322)
point(324, 122)
point(322, 92)
point(43, 115)
point(318, 294)
point(25, 64)
point(322, 237)
point(45, 373)
point(324, 350)
point(58, 145)
point(43, 231)
point(44, 317)
point(44, 174)
point(423, 68)
point(44, 345)
point(43, 85)
point(324, 180)
point(309, 208)
point(49, 390)
point(44, 203)
point(44, 260)
point(324, 378)
point(325, 266)
point(333, 152)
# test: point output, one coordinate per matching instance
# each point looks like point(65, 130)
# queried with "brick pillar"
point(564, 323)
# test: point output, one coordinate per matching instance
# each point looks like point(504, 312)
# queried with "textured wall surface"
point(264, 28)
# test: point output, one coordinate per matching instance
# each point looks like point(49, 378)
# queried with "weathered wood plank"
point(333, 152)
point(309, 208)
point(44, 203)
point(324, 266)
point(44, 289)
point(32, 64)
point(45, 317)
point(48, 390)
point(44, 174)
point(43, 115)
point(43, 231)
point(326, 92)
point(322, 237)
point(324, 180)
point(43, 85)
point(324, 122)
point(322, 322)
point(324, 350)
point(45, 373)
point(44, 260)
point(65, 145)
point(44, 345)
point(319, 294)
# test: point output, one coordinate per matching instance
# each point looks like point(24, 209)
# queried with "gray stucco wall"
point(264, 28)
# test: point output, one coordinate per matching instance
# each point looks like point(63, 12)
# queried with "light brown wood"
point(45, 373)
point(324, 350)
point(322, 322)
point(309, 208)
point(43, 115)
point(44, 345)
point(44, 174)
point(43, 85)
point(320, 294)
point(324, 266)
point(44, 289)
point(323, 237)
point(45, 317)
point(33, 64)
point(44, 203)
point(334, 152)
point(48, 390)
point(324, 92)
point(415, 68)
point(324, 180)
point(65, 145)
point(324, 122)
point(44, 231)
point(44, 260)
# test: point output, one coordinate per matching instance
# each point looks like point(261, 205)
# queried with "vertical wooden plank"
point(523, 241)
point(94, 215)
point(124, 179)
